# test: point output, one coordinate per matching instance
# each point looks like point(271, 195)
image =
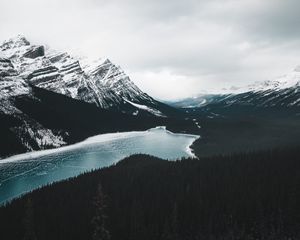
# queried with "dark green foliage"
point(237, 130)
point(99, 220)
point(28, 221)
point(242, 196)
point(9, 143)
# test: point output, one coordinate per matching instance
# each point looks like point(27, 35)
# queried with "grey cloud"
point(201, 42)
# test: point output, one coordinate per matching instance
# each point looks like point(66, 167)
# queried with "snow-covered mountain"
point(50, 98)
point(280, 92)
point(100, 82)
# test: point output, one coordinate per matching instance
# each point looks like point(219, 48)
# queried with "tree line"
point(253, 195)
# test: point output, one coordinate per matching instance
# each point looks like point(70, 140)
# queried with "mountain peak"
point(100, 81)
point(107, 61)
point(15, 42)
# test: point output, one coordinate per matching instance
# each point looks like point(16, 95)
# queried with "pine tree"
point(99, 220)
point(174, 222)
point(170, 231)
point(28, 221)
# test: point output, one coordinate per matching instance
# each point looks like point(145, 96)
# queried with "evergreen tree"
point(28, 221)
point(174, 222)
point(99, 220)
point(170, 231)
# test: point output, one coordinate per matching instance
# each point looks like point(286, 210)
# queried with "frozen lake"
point(25, 172)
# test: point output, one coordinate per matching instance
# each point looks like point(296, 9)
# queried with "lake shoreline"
point(28, 171)
point(106, 137)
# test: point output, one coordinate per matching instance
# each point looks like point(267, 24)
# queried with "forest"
point(253, 195)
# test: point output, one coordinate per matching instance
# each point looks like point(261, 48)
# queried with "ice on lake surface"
point(25, 172)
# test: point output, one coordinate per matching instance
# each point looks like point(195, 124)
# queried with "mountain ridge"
point(283, 91)
point(102, 82)
point(49, 99)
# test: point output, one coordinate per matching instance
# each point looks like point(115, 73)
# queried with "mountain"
point(281, 92)
point(99, 82)
point(49, 99)
point(259, 116)
point(196, 101)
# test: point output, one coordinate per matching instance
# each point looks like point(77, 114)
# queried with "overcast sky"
point(170, 48)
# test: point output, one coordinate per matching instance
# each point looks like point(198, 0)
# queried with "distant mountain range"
point(281, 92)
point(50, 98)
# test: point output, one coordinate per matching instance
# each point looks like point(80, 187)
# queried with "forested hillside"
point(244, 196)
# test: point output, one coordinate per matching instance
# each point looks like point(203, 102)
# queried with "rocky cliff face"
point(99, 89)
point(100, 82)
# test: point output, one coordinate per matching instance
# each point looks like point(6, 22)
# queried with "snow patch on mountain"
point(95, 81)
point(283, 91)
point(145, 108)
point(24, 66)
point(290, 80)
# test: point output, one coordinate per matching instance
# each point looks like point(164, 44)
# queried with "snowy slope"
point(290, 80)
point(28, 131)
point(32, 75)
point(100, 82)
point(280, 92)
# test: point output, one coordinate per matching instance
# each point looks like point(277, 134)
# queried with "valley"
point(51, 99)
point(224, 166)
point(38, 112)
